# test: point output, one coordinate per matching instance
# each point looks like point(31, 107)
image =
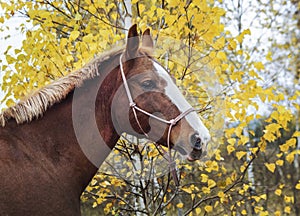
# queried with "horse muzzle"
point(198, 146)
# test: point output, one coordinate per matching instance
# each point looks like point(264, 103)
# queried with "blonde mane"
point(35, 105)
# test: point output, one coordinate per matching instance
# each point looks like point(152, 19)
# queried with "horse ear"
point(132, 44)
point(147, 40)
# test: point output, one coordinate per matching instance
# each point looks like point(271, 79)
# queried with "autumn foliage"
point(252, 167)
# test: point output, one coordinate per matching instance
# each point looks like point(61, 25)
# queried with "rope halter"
point(170, 123)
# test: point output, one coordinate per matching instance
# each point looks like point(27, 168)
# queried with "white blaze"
point(178, 99)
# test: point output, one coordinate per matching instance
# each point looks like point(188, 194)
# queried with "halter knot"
point(173, 122)
point(132, 104)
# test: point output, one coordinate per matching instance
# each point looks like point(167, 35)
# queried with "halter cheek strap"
point(171, 122)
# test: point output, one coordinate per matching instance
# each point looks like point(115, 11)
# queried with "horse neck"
point(73, 137)
point(91, 117)
point(89, 113)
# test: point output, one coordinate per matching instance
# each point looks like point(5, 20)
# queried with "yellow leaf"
point(297, 186)
point(287, 209)
point(221, 194)
point(69, 58)
point(234, 176)
point(193, 196)
point(105, 183)
point(244, 212)
point(257, 198)
point(128, 174)
point(228, 181)
point(296, 134)
point(74, 35)
point(232, 44)
point(179, 205)
point(246, 187)
point(92, 9)
point(254, 150)
point(206, 190)
point(208, 208)
point(222, 56)
point(291, 142)
point(271, 167)
point(240, 37)
point(100, 200)
point(247, 32)
point(198, 211)
point(231, 141)
point(237, 75)
point(211, 183)
point(253, 73)
point(270, 132)
point(218, 156)
point(153, 153)
point(288, 199)
point(279, 162)
point(259, 65)
point(284, 147)
point(264, 213)
point(219, 44)
point(269, 56)
point(290, 157)
point(263, 196)
point(10, 102)
point(277, 213)
point(170, 19)
point(242, 168)
point(240, 154)
point(78, 17)
point(134, 1)
point(204, 178)
point(174, 3)
point(188, 166)
point(230, 149)
point(240, 52)
point(211, 166)
point(244, 139)
point(142, 8)
point(188, 190)
point(117, 182)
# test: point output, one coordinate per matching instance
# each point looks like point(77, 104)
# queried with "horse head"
point(149, 104)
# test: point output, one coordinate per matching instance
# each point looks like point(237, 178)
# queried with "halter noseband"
point(171, 122)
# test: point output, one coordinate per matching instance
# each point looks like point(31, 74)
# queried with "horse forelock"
point(36, 104)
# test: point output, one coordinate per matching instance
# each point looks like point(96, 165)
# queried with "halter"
point(171, 122)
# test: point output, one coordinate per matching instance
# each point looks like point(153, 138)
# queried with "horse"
point(53, 142)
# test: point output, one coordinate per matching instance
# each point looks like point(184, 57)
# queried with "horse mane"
point(36, 105)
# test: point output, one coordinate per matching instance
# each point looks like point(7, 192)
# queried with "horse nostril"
point(196, 141)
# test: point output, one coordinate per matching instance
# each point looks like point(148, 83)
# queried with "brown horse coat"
point(43, 170)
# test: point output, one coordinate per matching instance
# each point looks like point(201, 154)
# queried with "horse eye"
point(148, 84)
